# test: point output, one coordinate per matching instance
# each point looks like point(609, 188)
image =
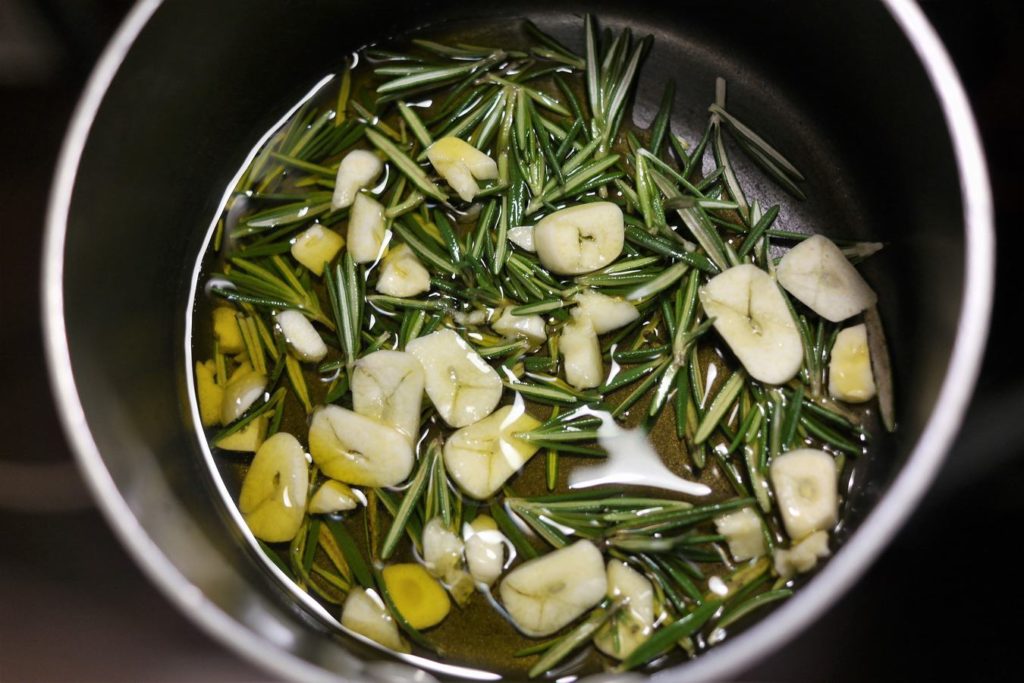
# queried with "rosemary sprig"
point(259, 286)
point(344, 287)
point(410, 500)
point(609, 83)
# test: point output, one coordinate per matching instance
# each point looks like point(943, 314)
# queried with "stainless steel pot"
point(863, 93)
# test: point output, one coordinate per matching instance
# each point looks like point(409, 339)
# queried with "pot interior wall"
point(834, 86)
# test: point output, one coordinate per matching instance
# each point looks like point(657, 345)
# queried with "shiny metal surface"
point(255, 623)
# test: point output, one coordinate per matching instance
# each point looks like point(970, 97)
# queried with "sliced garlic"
point(461, 164)
point(273, 495)
point(357, 170)
point(581, 353)
point(461, 385)
point(849, 370)
point(529, 327)
point(743, 532)
point(805, 490)
point(802, 557)
point(522, 237)
point(316, 246)
point(388, 387)
point(364, 612)
point(635, 621)
point(358, 450)
point(417, 596)
point(751, 315)
point(366, 229)
point(301, 336)
point(482, 456)
point(581, 238)
point(605, 313)
point(549, 592)
point(485, 549)
point(402, 274)
point(332, 496)
point(816, 272)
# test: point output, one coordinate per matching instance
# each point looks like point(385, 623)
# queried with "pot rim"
point(736, 653)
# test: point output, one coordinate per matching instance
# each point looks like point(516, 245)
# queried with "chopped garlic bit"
point(805, 483)
point(358, 450)
point(522, 237)
point(466, 318)
point(209, 393)
point(316, 246)
point(243, 389)
point(225, 330)
point(364, 613)
point(388, 387)
point(301, 336)
point(461, 164)
point(357, 170)
point(367, 229)
point(247, 439)
point(743, 532)
point(635, 621)
point(402, 274)
point(462, 386)
point(530, 327)
point(443, 557)
point(333, 496)
point(753, 318)
point(442, 548)
point(485, 549)
point(802, 557)
point(849, 371)
point(581, 351)
point(605, 313)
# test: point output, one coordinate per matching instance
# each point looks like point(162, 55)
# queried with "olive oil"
point(280, 195)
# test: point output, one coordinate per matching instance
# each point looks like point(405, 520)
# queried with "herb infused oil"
point(453, 300)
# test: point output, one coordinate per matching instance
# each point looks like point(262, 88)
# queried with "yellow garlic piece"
point(316, 246)
point(364, 613)
point(209, 393)
point(482, 457)
point(634, 622)
point(418, 596)
point(849, 371)
point(273, 496)
point(225, 329)
point(247, 439)
point(461, 164)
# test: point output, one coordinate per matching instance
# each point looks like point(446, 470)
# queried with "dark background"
point(942, 600)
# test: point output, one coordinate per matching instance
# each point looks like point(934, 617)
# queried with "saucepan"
point(861, 93)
